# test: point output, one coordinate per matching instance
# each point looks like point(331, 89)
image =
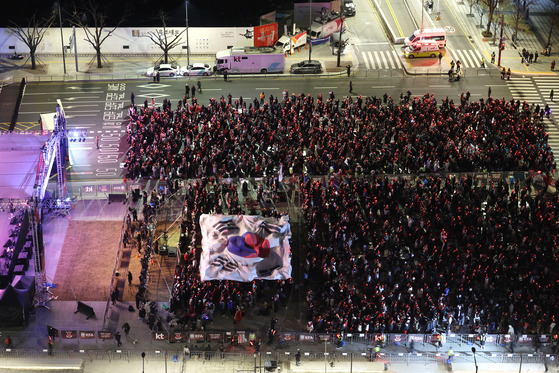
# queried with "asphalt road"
point(99, 109)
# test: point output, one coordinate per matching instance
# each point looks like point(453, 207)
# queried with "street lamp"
point(187, 42)
point(143, 359)
point(309, 40)
point(61, 36)
point(475, 361)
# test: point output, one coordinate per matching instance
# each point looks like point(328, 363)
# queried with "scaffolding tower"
point(54, 151)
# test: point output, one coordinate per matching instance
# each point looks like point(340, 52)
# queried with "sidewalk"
point(510, 57)
point(51, 67)
point(31, 341)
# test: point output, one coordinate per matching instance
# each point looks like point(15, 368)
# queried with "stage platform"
point(19, 158)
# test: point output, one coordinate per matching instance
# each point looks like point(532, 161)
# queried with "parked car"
point(164, 69)
point(197, 69)
point(306, 67)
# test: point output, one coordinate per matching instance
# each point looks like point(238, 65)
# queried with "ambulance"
point(435, 34)
point(427, 48)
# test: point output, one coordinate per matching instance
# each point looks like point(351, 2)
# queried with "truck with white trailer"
point(243, 60)
point(289, 43)
point(324, 26)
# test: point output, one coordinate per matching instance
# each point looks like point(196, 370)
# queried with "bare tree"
point(165, 40)
point(33, 34)
point(490, 5)
point(91, 11)
point(471, 3)
point(519, 14)
point(553, 12)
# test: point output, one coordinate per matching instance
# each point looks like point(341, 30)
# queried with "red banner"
point(215, 337)
point(87, 334)
point(265, 35)
point(288, 336)
point(69, 334)
point(324, 337)
point(103, 335)
point(177, 337)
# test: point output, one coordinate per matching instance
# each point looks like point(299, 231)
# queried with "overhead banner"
point(244, 248)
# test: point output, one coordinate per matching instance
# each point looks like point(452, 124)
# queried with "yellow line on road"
point(395, 19)
point(460, 24)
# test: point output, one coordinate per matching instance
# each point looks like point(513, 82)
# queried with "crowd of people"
point(382, 255)
point(431, 253)
point(195, 302)
point(327, 135)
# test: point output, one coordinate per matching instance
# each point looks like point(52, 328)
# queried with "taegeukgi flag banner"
point(244, 248)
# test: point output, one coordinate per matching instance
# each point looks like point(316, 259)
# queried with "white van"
point(436, 34)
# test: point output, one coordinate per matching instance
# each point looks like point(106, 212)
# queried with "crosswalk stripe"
point(466, 59)
point(397, 59)
point(389, 59)
point(383, 59)
point(364, 55)
point(373, 66)
point(475, 57)
point(377, 59)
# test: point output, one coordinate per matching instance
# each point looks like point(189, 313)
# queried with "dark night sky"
point(145, 12)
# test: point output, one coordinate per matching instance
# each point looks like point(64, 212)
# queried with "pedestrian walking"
point(138, 299)
point(458, 64)
point(117, 338)
point(350, 86)
point(298, 358)
point(51, 345)
point(225, 75)
point(8, 342)
point(114, 295)
point(440, 58)
point(468, 94)
point(129, 278)
point(126, 328)
point(377, 352)
point(450, 353)
point(158, 77)
point(199, 84)
point(483, 62)
point(493, 57)
point(132, 99)
point(503, 73)
point(187, 91)
point(154, 77)
point(553, 65)
point(452, 65)
point(551, 93)
point(531, 57)
point(348, 69)
point(412, 346)
point(489, 92)
point(97, 142)
point(193, 91)
point(508, 74)
point(536, 55)
point(262, 97)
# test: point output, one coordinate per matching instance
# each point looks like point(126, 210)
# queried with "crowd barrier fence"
point(280, 357)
